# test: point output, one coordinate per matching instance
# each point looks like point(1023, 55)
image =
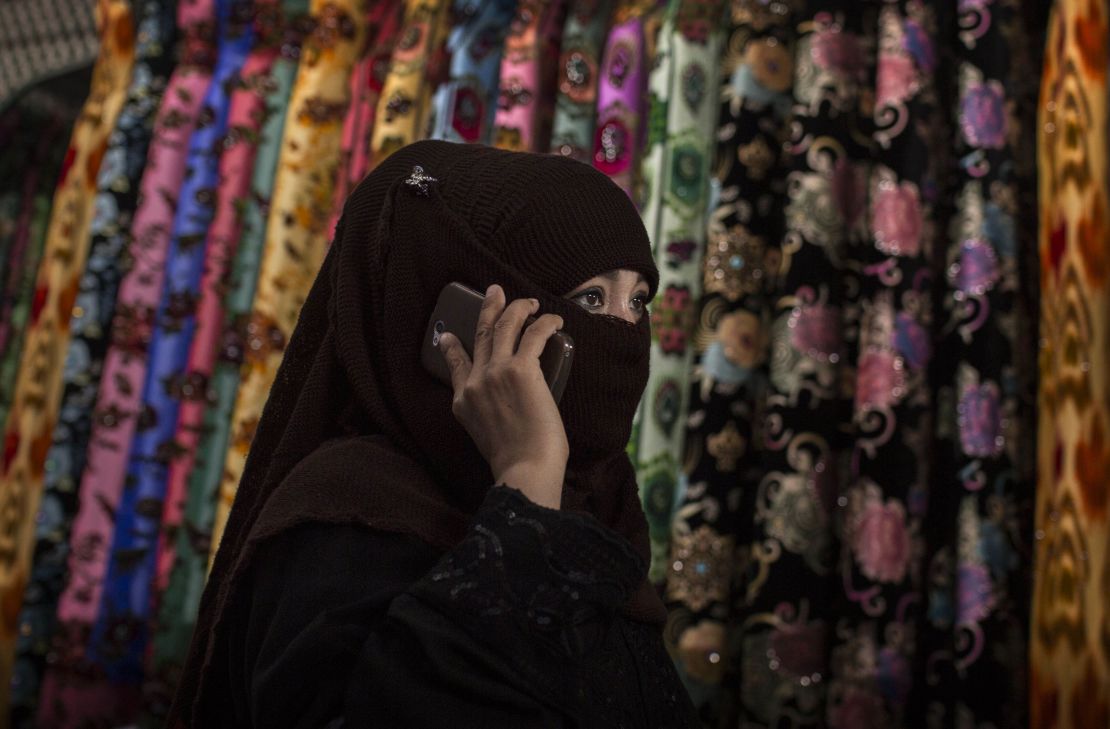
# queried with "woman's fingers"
point(487, 318)
point(458, 363)
point(536, 335)
point(506, 332)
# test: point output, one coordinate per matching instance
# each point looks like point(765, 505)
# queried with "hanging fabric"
point(675, 175)
point(367, 79)
point(572, 131)
point(30, 423)
point(298, 217)
point(415, 70)
point(126, 596)
point(464, 105)
point(619, 129)
point(116, 200)
point(67, 692)
point(526, 99)
point(1070, 677)
point(269, 94)
point(710, 533)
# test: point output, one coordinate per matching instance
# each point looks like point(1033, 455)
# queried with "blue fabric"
point(464, 105)
point(121, 631)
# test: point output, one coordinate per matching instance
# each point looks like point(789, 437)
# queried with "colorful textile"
point(30, 423)
point(120, 633)
point(367, 79)
point(298, 218)
point(115, 416)
point(675, 174)
point(417, 66)
point(572, 131)
point(116, 198)
point(190, 546)
point(619, 129)
point(464, 105)
point(526, 100)
point(1070, 653)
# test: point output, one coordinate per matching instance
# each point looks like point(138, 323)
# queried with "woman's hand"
point(504, 403)
point(701, 649)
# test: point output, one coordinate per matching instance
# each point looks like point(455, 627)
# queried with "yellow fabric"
point(1070, 646)
point(38, 387)
point(297, 233)
point(405, 105)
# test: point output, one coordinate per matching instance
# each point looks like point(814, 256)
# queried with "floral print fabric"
point(572, 132)
point(30, 422)
point(856, 500)
point(299, 212)
point(1070, 654)
point(116, 199)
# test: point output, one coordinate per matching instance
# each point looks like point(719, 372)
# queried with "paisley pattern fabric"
point(1070, 653)
point(415, 70)
point(572, 131)
point(525, 101)
point(119, 636)
point(465, 104)
point(298, 217)
point(116, 199)
point(30, 423)
point(367, 79)
point(66, 693)
point(857, 488)
point(675, 178)
point(265, 100)
point(619, 129)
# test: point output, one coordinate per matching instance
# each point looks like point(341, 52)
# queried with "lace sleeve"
point(554, 575)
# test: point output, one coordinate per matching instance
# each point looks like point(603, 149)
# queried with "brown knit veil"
point(356, 432)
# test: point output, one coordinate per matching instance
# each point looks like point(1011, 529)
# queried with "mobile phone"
point(457, 311)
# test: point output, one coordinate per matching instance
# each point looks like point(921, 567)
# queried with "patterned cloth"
point(464, 105)
point(298, 218)
point(572, 132)
point(526, 100)
point(619, 134)
point(675, 176)
point(190, 546)
point(367, 78)
point(847, 536)
point(65, 693)
point(415, 69)
point(30, 423)
point(1070, 652)
point(116, 199)
point(120, 634)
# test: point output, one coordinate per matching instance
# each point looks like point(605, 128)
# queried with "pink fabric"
point(620, 132)
point(120, 392)
point(245, 117)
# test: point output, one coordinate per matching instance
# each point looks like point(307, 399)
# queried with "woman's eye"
point(590, 299)
point(639, 304)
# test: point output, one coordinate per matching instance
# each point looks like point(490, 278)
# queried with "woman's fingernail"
point(491, 289)
point(535, 303)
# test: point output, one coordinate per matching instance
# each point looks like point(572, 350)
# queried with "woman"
point(406, 554)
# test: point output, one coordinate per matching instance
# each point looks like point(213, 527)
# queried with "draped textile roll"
point(526, 99)
point(675, 174)
point(464, 105)
point(298, 217)
point(190, 545)
point(1070, 636)
point(722, 463)
point(30, 423)
point(246, 112)
point(619, 129)
point(21, 251)
point(116, 199)
point(120, 633)
point(572, 131)
point(415, 70)
point(367, 79)
point(115, 416)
